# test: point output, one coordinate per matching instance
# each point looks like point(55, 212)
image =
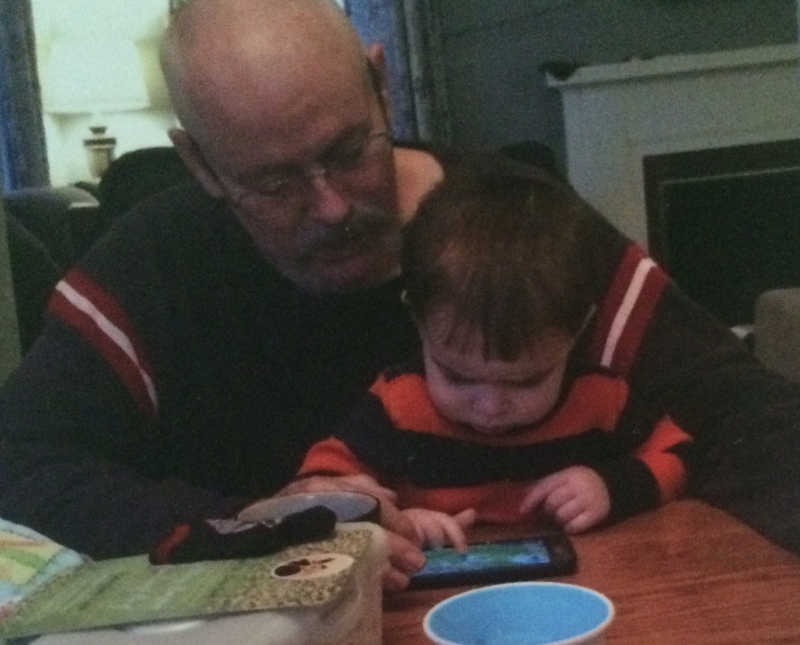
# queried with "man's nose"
point(328, 204)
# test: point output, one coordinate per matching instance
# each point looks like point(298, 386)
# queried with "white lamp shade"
point(89, 75)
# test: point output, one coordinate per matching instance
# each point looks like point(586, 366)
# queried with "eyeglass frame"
point(283, 191)
point(235, 192)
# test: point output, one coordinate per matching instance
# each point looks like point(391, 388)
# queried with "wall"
point(493, 49)
point(143, 21)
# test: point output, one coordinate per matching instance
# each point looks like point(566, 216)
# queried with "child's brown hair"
point(506, 248)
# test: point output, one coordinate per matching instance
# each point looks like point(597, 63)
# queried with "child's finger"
point(568, 511)
point(455, 534)
point(396, 521)
point(557, 498)
point(435, 534)
point(580, 523)
point(404, 556)
point(538, 492)
point(465, 518)
point(422, 536)
point(393, 579)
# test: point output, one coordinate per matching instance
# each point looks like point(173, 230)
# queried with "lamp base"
point(99, 150)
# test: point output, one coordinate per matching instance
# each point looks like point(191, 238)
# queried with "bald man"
point(331, 225)
point(190, 359)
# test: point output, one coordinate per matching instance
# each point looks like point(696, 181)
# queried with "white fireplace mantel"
point(616, 114)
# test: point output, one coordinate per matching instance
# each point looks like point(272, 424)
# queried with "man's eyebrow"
point(265, 170)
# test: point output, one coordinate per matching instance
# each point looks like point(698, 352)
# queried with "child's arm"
point(435, 529)
point(351, 449)
point(580, 497)
point(576, 497)
point(336, 462)
point(332, 456)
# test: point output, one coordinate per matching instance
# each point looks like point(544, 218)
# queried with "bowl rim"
point(572, 640)
point(260, 509)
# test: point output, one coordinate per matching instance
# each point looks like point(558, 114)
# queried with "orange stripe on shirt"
point(594, 401)
point(667, 468)
point(333, 455)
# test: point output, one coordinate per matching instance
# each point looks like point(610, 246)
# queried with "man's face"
point(315, 188)
point(492, 397)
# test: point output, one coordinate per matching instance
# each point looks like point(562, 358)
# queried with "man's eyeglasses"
point(336, 166)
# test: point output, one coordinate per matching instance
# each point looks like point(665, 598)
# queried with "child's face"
point(494, 396)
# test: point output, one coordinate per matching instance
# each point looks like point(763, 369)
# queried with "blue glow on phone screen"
point(486, 556)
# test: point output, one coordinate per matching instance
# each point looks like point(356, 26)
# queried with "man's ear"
point(193, 159)
point(376, 56)
point(377, 61)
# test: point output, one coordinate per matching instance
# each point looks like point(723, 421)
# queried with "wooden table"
point(687, 574)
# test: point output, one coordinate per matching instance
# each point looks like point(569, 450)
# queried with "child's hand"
point(436, 529)
point(576, 497)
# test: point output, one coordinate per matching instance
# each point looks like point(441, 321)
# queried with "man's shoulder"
point(180, 241)
point(182, 207)
point(182, 222)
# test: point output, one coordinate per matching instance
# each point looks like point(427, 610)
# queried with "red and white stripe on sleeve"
point(626, 310)
point(97, 316)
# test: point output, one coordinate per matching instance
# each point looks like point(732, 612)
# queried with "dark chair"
point(136, 175)
point(51, 214)
point(34, 273)
point(50, 228)
point(44, 226)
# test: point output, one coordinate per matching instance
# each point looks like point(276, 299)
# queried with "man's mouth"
point(341, 250)
point(348, 241)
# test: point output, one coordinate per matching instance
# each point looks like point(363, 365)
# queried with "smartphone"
point(539, 556)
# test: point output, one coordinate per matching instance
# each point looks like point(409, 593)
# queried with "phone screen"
point(532, 557)
point(479, 557)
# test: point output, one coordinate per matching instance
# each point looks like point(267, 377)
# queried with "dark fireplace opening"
point(725, 222)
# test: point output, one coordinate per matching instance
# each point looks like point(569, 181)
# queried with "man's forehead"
point(250, 145)
point(263, 31)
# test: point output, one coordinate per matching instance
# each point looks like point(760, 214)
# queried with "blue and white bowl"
point(521, 613)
